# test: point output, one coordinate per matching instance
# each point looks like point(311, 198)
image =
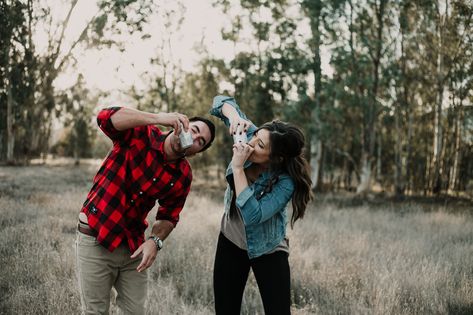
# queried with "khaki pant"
point(99, 270)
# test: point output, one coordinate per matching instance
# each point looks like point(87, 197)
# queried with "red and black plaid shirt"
point(132, 177)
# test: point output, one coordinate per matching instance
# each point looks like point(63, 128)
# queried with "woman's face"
point(260, 144)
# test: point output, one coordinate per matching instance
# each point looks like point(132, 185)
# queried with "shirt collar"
point(157, 138)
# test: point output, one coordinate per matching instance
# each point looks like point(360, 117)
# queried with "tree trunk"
point(315, 161)
point(400, 163)
point(379, 163)
point(398, 178)
point(314, 11)
point(365, 176)
point(452, 185)
point(9, 147)
point(407, 166)
point(437, 148)
point(435, 182)
point(372, 115)
point(9, 118)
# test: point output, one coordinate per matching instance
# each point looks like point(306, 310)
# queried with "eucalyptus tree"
point(460, 91)
point(75, 106)
point(321, 16)
point(267, 65)
point(41, 67)
point(444, 48)
point(17, 62)
point(363, 47)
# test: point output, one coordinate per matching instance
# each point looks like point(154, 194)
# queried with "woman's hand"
point(238, 125)
point(241, 152)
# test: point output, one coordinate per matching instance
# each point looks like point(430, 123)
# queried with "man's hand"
point(149, 251)
point(173, 120)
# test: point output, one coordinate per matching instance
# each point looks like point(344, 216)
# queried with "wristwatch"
point(157, 241)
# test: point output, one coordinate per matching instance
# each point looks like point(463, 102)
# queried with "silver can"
point(240, 138)
point(185, 138)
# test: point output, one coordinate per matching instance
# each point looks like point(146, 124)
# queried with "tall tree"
point(75, 106)
point(39, 69)
point(444, 37)
point(320, 15)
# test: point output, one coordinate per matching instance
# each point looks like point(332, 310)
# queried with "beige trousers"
point(99, 270)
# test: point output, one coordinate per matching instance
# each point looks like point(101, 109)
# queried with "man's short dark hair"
point(211, 128)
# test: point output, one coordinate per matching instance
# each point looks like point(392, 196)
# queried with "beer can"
point(185, 138)
point(240, 138)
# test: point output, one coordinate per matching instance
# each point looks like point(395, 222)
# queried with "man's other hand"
point(149, 251)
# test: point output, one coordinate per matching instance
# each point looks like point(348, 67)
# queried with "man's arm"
point(161, 229)
point(127, 118)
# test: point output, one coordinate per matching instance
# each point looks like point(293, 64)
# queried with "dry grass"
point(394, 259)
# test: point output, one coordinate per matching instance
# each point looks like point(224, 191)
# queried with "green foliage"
point(379, 100)
point(28, 75)
point(399, 81)
point(77, 102)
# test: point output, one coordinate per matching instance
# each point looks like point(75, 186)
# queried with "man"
point(145, 165)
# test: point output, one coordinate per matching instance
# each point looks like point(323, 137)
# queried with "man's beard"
point(177, 148)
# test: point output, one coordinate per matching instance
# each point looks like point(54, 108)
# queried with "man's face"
point(200, 135)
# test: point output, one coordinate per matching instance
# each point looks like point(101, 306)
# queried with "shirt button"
point(154, 179)
point(172, 184)
point(140, 192)
point(132, 201)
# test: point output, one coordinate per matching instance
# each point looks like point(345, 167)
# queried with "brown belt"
point(86, 230)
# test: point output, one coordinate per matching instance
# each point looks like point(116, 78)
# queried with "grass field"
point(392, 258)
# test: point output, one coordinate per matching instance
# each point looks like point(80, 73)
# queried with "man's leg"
point(272, 274)
point(96, 274)
point(231, 270)
point(131, 285)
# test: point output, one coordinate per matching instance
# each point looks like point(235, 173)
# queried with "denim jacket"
point(264, 213)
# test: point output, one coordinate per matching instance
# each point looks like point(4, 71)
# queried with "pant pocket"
point(86, 240)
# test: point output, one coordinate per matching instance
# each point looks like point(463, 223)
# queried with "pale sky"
point(109, 69)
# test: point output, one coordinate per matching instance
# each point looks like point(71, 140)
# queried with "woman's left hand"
point(241, 152)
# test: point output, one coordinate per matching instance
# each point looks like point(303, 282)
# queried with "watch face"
point(160, 244)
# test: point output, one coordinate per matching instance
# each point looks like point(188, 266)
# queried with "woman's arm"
point(237, 124)
point(241, 152)
point(227, 109)
point(255, 211)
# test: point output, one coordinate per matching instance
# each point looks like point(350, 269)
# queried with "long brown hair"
point(287, 143)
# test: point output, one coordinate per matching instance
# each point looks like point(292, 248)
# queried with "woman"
point(263, 176)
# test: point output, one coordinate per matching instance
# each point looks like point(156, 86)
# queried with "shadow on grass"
point(460, 309)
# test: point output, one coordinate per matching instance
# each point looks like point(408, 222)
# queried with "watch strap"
point(157, 241)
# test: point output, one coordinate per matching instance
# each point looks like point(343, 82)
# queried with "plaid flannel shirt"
point(132, 177)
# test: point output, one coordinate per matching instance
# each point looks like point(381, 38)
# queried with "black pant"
point(231, 270)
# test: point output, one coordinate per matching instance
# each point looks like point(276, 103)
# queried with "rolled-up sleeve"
point(256, 211)
point(171, 207)
point(217, 105)
point(104, 121)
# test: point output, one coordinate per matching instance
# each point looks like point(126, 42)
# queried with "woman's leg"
point(231, 270)
point(273, 276)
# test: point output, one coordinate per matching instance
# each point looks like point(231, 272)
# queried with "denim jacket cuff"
point(248, 204)
point(218, 102)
